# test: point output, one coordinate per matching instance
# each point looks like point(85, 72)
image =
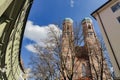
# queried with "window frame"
point(118, 18)
point(84, 74)
point(115, 7)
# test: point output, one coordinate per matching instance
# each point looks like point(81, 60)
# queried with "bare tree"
point(46, 62)
point(68, 58)
point(49, 63)
point(99, 59)
point(105, 54)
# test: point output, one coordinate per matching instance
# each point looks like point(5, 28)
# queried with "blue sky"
point(45, 13)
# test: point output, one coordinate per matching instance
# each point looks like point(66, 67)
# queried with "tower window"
point(68, 32)
point(118, 18)
point(68, 28)
point(116, 7)
point(89, 27)
point(83, 70)
point(90, 34)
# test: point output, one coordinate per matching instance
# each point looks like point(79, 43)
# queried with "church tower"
point(82, 62)
point(98, 65)
point(75, 60)
point(67, 48)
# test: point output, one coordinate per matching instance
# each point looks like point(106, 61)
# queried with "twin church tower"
point(82, 62)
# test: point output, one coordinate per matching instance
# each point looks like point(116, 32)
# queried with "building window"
point(89, 27)
point(68, 28)
point(83, 70)
point(116, 7)
point(68, 32)
point(90, 34)
point(118, 18)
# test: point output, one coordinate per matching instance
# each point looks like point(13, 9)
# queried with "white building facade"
point(108, 17)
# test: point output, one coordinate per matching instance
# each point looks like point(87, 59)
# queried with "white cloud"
point(37, 34)
point(72, 3)
point(31, 48)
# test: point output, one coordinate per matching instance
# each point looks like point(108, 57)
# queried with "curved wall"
point(12, 24)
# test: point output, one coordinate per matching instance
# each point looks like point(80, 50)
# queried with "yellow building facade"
point(13, 17)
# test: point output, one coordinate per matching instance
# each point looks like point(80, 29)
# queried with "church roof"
point(81, 51)
point(87, 19)
point(68, 20)
point(101, 7)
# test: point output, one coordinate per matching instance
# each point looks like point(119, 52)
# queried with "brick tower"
point(98, 65)
point(75, 60)
point(82, 62)
point(67, 48)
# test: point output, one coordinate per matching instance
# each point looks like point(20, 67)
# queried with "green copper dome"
point(68, 20)
point(87, 19)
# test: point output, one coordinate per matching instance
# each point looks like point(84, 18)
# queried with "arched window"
point(90, 34)
point(67, 27)
point(83, 70)
point(89, 27)
point(67, 31)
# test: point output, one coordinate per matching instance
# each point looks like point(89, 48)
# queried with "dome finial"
point(87, 19)
point(68, 20)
